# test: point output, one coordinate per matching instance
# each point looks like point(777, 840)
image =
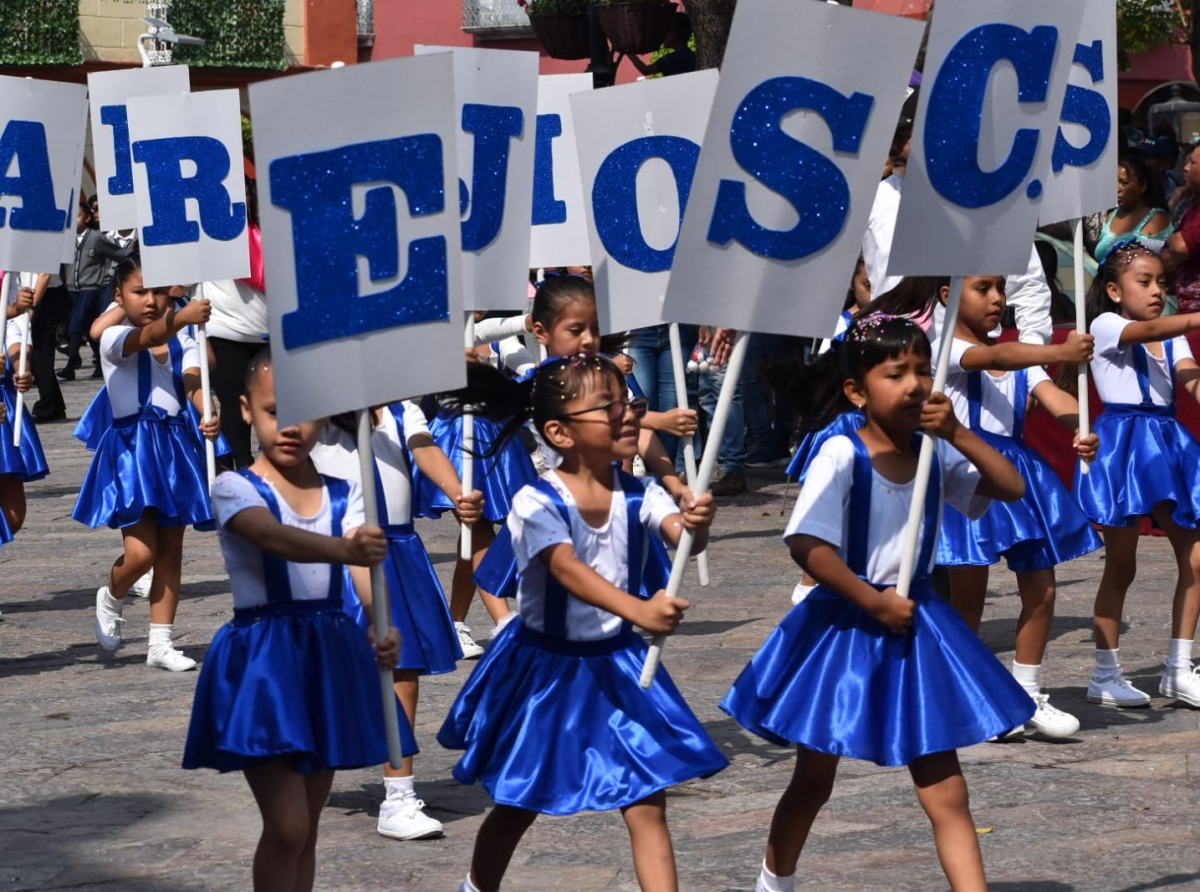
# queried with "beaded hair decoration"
point(1125, 251)
point(558, 364)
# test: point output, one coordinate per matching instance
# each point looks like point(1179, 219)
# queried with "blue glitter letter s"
point(25, 143)
point(221, 217)
point(494, 127)
point(614, 198)
point(1086, 107)
point(955, 113)
point(317, 189)
point(117, 117)
point(807, 179)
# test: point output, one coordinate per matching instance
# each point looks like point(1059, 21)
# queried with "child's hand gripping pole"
point(708, 462)
point(22, 368)
point(468, 445)
point(379, 593)
point(689, 446)
point(1085, 426)
point(210, 448)
point(916, 511)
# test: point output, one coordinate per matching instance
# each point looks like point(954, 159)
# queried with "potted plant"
point(635, 27)
point(561, 26)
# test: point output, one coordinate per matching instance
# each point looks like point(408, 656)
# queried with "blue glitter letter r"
point(221, 217)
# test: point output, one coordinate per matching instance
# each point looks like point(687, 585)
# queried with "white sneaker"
point(108, 621)
point(1008, 736)
point(1116, 690)
point(405, 818)
point(471, 650)
point(141, 588)
point(1181, 684)
point(800, 592)
point(499, 627)
point(166, 657)
point(1050, 721)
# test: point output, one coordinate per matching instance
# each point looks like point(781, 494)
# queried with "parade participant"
point(554, 711)
point(990, 385)
point(1147, 464)
point(288, 694)
point(429, 646)
point(147, 477)
point(25, 463)
point(856, 670)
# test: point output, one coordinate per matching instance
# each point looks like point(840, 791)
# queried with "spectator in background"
point(1182, 253)
point(1141, 208)
point(679, 59)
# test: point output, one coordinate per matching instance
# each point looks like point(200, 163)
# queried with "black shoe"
point(97, 372)
point(74, 362)
point(730, 485)
point(67, 374)
point(49, 417)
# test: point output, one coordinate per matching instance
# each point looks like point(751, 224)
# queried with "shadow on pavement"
point(1174, 879)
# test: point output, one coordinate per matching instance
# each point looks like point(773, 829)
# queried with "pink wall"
point(1148, 70)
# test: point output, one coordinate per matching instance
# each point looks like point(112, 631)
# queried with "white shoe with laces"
point(1181, 683)
point(405, 818)
point(1115, 690)
point(108, 620)
point(1050, 721)
point(164, 656)
point(141, 588)
point(471, 650)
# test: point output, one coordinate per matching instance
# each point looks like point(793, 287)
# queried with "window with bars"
point(503, 16)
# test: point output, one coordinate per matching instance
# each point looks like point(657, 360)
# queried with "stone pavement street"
point(92, 796)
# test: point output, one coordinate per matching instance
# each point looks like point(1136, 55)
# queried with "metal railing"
point(496, 16)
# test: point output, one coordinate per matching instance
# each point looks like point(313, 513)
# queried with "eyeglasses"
point(615, 409)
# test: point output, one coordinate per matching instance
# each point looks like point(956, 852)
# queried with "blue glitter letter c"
point(1086, 107)
point(327, 239)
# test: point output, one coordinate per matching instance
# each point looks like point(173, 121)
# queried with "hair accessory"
point(1124, 251)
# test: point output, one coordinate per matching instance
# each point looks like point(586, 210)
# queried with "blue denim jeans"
point(732, 450)
point(650, 350)
point(768, 421)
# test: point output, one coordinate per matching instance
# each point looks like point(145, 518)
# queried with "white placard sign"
point(41, 146)
point(108, 93)
point(638, 146)
point(358, 195)
point(792, 156)
point(1083, 164)
point(189, 187)
point(559, 235)
point(495, 95)
point(70, 230)
point(984, 133)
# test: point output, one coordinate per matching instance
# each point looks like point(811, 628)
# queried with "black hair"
point(617, 342)
point(815, 390)
point(1112, 266)
point(557, 293)
point(126, 268)
point(1135, 164)
point(540, 397)
point(681, 27)
point(913, 296)
point(851, 300)
point(259, 364)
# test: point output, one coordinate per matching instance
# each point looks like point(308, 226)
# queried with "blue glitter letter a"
point(25, 143)
point(328, 240)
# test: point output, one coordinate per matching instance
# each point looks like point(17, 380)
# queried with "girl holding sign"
point(26, 462)
point(991, 386)
point(148, 476)
point(563, 679)
point(1148, 463)
point(856, 670)
point(288, 694)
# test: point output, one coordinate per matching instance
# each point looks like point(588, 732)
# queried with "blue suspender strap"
point(1020, 399)
point(146, 375)
point(933, 504)
point(860, 508)
point(339, 498)
point(555, 619)
point(1141, 365)
point(635, 387)
point(974, 399)
point(275, 569)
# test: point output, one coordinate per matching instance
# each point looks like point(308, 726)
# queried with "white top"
point(497, 328)
point(997, 393)
point(881, 229)
point(1113, 369)
point(823, 508)
point(512, 356)
point(231, 495)
point(239, 312)
point(121, 373)
point(14, 328)
point(336, 455)
point(536, 524)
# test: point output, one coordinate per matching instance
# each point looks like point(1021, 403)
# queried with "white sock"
point(800, 592)
point(160, 634)
point(117, 604)
point(1107, 662)
point(399, 787)
point(1028, 677)
point(768, 882)
point(468, 886)
point(1179, 656)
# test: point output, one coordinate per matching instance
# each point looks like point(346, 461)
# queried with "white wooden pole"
point(689, 445)
point(1081, 327)
point(379, 593)
point(468, 445)
point(22, 368)
point(210, 448)
point(708, 461)
point(916, 511)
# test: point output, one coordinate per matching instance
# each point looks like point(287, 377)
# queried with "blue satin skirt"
point(559, 727)
point(144, 463)
point(1144, 459)
point(499, 477)
point(497, 572)
point(26, 462)
point(295, 681)
point(832, 679)
point(844, 425)
point(428, 641)
point(98, 418)
point(1042, 530)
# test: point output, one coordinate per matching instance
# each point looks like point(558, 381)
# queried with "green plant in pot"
point(635, 27)
point(561, 26)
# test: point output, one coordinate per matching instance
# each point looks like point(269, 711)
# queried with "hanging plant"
point(238, 33)
point(555, 7)
point(39, 32)
point(561, 26)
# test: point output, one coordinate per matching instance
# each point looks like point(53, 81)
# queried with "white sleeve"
point(1029, 296)
point(877, 240)
point(1034, 376)
point(1106, 329)
point(231, 495)
point(499, 328)
point(821, 507)
point(112, 343)
point(657, 506)
point(960, 479)
point(191, 350)
point(414, 420)
point(535, 525)
point(514, 356)
point(957, 349)
point(1181, 348)
point(355, 515)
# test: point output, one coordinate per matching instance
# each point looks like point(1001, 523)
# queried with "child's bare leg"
point(1038, 592)
point(482, 536)
point(942, 790)
point(12, 500)
point(282, 794)
point(462, 586)
point(968, 590)
point(809, 789)
point(1120, 566)
point(653, 855)
point(168, 570)
point(141, 546)
point(316, 791)
point(494, 846)
point(1186, 607)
